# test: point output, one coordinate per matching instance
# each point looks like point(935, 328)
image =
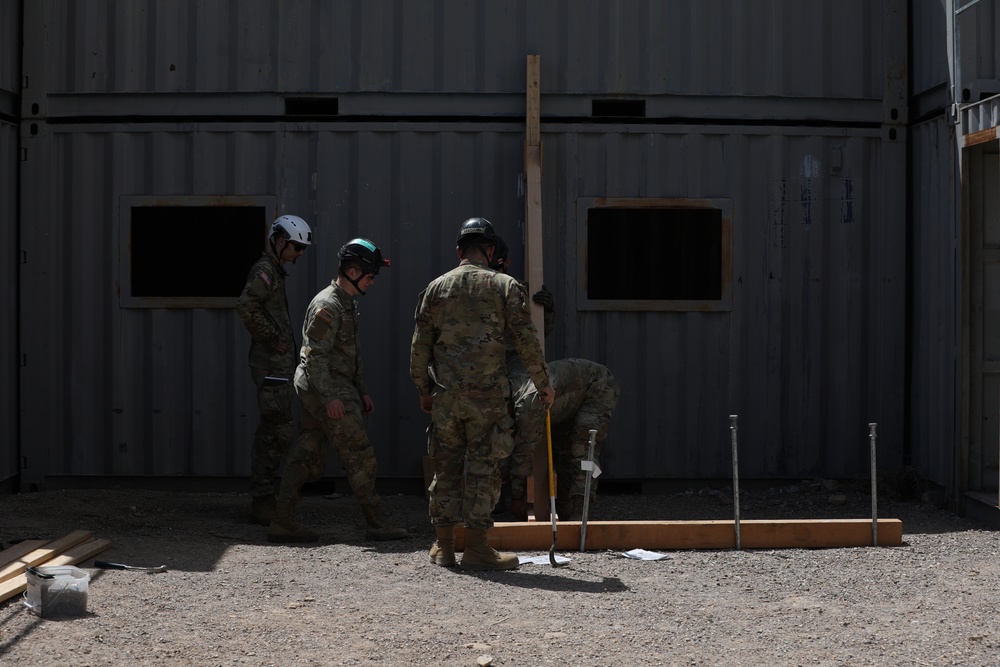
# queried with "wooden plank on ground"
point(11, 554)
point(44, 553)
point(19, 583)
point(755, 534)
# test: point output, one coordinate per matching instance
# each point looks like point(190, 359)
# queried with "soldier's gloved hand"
point(544, 298)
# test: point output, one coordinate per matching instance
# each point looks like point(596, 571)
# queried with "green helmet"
point(365, 253)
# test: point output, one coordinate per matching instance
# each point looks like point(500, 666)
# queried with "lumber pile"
point(70, 549)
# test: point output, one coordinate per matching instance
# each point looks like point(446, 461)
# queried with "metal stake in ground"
point(552, 488)
point(736, 481)
point(871, 437)
point(587, 465)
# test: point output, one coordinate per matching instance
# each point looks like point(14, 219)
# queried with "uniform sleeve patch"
point(324, 315)
point(266, 278)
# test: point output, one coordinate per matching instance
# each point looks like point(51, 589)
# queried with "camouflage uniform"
point(457, 356)
point(264, 310)
point(586, 396)
point(520, 384)
point(330, 368)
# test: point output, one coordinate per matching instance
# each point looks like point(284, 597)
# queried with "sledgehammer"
point(105, 565)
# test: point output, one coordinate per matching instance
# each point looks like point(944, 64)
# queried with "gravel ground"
point(231, 598)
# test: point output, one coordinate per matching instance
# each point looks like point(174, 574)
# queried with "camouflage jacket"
point(575, 381)
point(330, 359)
point(515, 367)
point(463, 319)
point(264, 310)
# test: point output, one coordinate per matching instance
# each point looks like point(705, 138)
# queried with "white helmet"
point(293, 228)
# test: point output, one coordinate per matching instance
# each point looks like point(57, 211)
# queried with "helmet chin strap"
point(355, 282)
point(278, 253)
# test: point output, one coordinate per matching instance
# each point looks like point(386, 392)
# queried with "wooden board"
point(44, 553)
point(755, 534)
point(533, 248)
point(11, 554)
point(81, 552)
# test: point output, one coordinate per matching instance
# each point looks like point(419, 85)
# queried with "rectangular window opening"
point(188, 253)
point(644, 256)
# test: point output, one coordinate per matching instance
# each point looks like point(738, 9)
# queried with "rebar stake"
point(871, 437)
point(736, 481)
point(586, 492)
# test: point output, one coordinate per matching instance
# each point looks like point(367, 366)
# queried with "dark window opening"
point(194, 251)
point(618, 108)
point(312, 106)
point(668, 254)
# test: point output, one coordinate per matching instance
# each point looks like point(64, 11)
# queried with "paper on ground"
point(540, 560)
point(642, 554)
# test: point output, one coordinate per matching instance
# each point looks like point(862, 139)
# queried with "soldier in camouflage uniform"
point(264, 310)
point(330, 382)
point(457, 362)
point(587, 394)
point(513, 492)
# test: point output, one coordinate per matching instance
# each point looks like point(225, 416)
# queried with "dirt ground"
point(231, 598)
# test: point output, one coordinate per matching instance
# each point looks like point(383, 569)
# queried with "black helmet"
point(476, 230)
point(500, 254)
point(365, 253)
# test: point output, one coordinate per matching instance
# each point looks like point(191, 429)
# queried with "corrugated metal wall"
point(935, 302)
point(813, 348)
point(978, 33)
point(828, 49)
point(10, 62)
point(810, 149)
point(934, 277)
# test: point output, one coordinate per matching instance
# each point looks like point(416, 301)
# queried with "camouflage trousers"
point(570, 445)
point(275, 432)
point(467, 439)
point(307, 460)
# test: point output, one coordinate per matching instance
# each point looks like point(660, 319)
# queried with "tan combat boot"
point(262, 509)
point(379, 529)
point(479, 555)
point(443, 550)
point(283, 530)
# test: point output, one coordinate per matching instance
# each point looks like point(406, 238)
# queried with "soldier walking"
point(263, 308)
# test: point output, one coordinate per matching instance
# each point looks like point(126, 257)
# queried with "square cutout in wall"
point(189, 252)
point(655, 254)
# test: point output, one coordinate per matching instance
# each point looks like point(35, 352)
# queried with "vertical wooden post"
point(533, 253)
